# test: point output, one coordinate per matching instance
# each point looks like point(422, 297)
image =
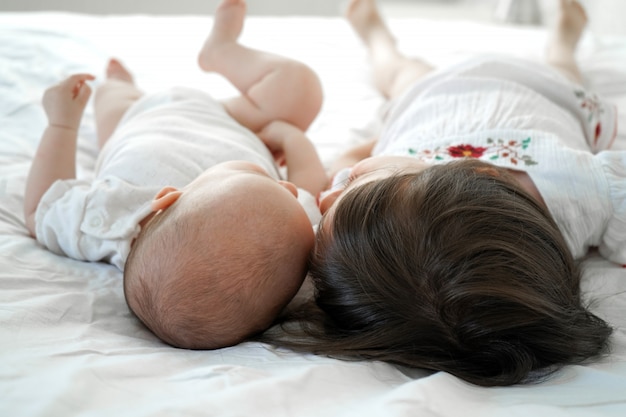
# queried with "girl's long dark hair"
point(455, 269)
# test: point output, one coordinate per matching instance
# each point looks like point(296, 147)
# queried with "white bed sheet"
point(68, 344)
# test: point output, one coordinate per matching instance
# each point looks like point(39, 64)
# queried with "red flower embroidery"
point(496, 149)
point(462, 151)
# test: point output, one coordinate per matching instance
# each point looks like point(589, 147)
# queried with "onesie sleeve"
point(309, 203)
point(88, 222)
point(59, 215)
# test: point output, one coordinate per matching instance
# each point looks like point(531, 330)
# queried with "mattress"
point(69, 345)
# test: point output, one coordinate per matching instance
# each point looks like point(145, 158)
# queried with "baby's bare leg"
point(561, 50)
point(272, 87)
point(393, 72)
point(112, 99)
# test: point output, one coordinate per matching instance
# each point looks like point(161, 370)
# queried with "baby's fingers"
point(79, 77)
point(81, 91)
point(77, 83)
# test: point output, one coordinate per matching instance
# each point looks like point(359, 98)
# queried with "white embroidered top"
point(526, 117)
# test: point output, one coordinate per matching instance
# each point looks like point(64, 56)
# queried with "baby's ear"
point(165, 198)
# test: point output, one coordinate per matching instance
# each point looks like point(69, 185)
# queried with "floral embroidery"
point(590, 103)
point(461, 151)
point(511, 150)
point(498, 149)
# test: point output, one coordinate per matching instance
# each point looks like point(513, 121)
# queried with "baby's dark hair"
point(454, 269)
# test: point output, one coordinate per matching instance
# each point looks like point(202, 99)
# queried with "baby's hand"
point(277, 132)
point(275, 136)
point(292, 148)
point(65, 102)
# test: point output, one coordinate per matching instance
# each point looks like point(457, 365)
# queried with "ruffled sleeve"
point(613, 243)
point(92, 222)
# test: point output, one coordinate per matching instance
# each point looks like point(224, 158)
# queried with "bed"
point(69, 345)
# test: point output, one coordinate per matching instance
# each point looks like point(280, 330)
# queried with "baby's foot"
point(571, 22)
point(116, 70)
point(366, 20)
point(227, 26)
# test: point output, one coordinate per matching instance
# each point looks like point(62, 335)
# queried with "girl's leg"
point(272, 87)
point(112, 99)
point(564, 39)
point(393, 72)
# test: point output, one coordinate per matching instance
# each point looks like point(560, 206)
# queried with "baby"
point(187, 198)
point(452, 244)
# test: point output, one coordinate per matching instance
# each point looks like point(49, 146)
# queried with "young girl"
point(452, 248)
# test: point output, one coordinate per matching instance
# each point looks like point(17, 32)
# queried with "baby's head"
point(452, 267)
point(220, 258)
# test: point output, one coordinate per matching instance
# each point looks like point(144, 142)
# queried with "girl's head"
point(451, 268)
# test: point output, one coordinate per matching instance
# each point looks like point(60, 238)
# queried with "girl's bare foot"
point(115, 70)
point(393, 72)
point(366, 21)
point(227, 26)
point(571, 22)
point(561, 50)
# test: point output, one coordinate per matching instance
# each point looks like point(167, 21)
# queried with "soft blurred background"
point(606, 16)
